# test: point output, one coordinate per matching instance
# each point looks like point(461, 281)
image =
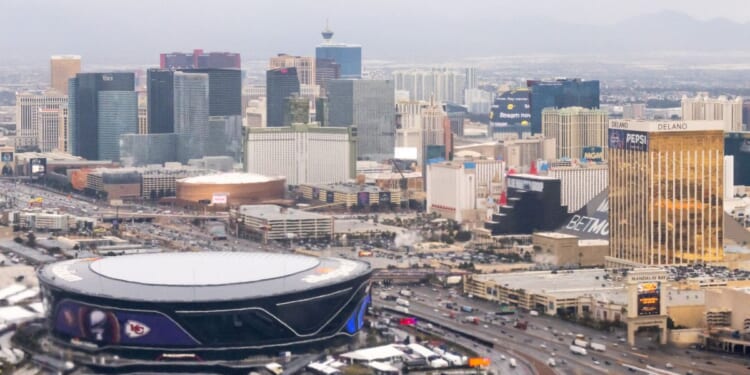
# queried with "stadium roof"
point(197, 269)
point(229, 178)
point(199, 277)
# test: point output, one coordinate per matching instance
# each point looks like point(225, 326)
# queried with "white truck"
point(534, 313)
point(402, 302)
point(581, 343)
point(578, 350)
point(598, 347)
point(551, 362)
point(402, 309)
point(406, 292)
point(512, 363)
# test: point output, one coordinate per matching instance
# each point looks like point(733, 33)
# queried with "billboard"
point(7, 158)
point(591, 222)
point(329, 196)
point(620, 139)
point(219, 198)
point(519, 183)
point(363, 199)
point(511, 108)
point(37, 167)
point(106, 326)
point(434, 152)
point(316, 193)
point(649, 299)
point(593, 153)
point(405, 153)
point(384, 198)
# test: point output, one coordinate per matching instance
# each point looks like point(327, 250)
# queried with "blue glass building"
point(560, 93)
point(347, 56)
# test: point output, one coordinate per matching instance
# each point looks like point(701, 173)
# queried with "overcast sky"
point(107, 31)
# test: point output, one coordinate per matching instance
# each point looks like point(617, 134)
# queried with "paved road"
point(538, 334)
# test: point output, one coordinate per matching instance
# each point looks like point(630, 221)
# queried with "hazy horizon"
point(136, 31)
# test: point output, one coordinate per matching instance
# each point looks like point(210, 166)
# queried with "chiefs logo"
point(135, 329)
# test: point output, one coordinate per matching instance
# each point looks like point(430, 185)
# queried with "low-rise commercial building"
point(271, 222)
point(351, 195)
point(565, 250)
point(591, 292)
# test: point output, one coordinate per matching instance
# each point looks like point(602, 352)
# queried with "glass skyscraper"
point(92, 113)
point(160, 101)
point(665, 192)
point(191, 108)
point(560, 93)
point(117, 115)
point(281, 84)
point(224, 91)
point(370, 106)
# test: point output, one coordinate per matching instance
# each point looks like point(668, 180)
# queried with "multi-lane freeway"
point(539, 341)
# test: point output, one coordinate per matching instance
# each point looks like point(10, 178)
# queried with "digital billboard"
point(7, 158)
point(219, 198)
point(105, 326)
point(511, 108)
point(434, 152)
point(37, 166)
point(593, 153)
point(384, 198)
point(363, 199)
point(329, 196)
point(620, 139)
point(316, 193)
point(649, 299)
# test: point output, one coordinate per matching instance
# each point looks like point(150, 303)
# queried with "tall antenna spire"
point(327, 33)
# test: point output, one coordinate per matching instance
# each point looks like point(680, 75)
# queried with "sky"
point(135, 31)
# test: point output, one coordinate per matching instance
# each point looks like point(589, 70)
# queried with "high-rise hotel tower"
point(665, 192)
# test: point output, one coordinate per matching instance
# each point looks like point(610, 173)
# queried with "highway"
point(540, 342)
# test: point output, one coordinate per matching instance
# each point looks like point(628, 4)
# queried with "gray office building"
point(281, 84)
point(102, 106)
point(224, 137)
point(224, 91)
point(143, 149)
point(370, 106)
point(190, 114)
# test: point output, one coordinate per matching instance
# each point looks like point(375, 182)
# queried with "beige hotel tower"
point(665, 192)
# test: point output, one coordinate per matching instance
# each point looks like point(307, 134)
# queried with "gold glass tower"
point(63, 67)
point(665, 192)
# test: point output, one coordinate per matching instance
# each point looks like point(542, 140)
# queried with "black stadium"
point(211, 305)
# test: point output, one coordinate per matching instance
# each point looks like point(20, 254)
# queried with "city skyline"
point(496, 29)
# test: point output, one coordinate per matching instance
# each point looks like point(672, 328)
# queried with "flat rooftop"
point(274, 212)
point(348, 188)
point(563, 283)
